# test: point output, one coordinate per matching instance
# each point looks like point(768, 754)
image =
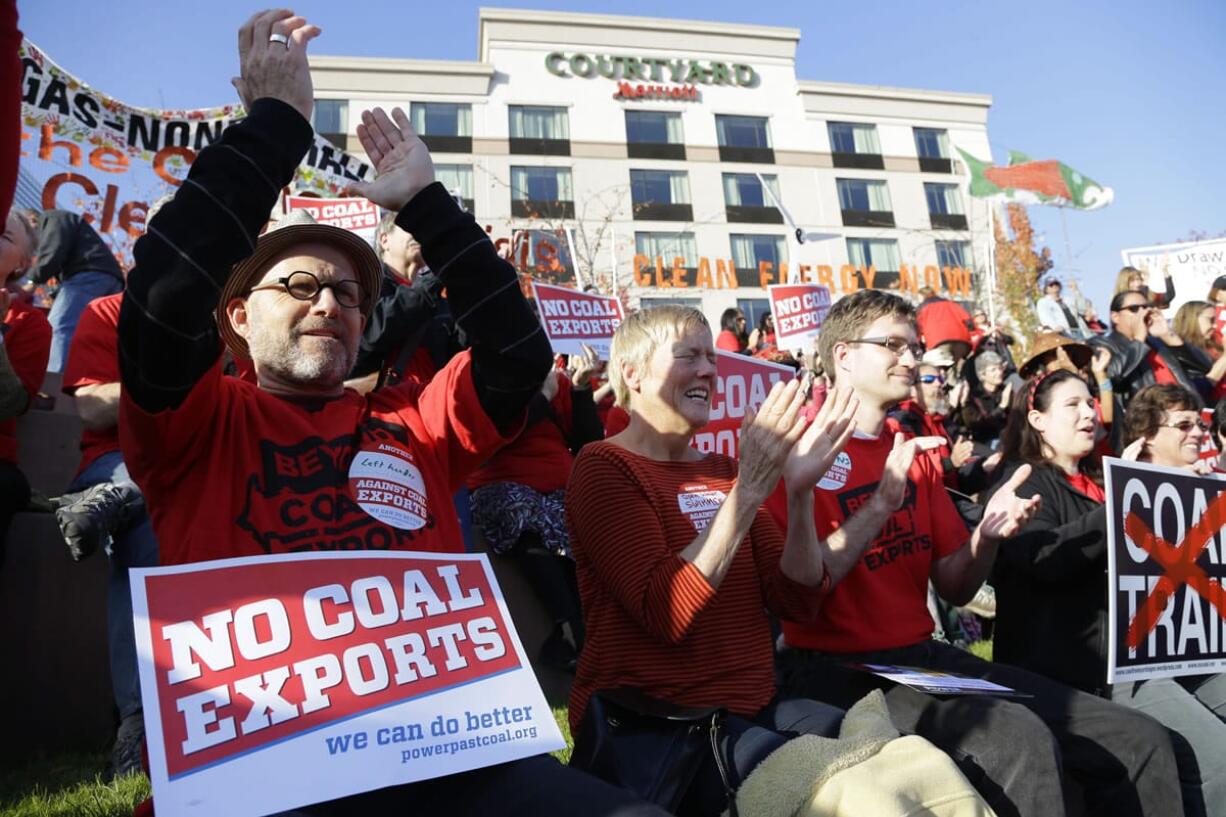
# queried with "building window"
point(744, 139)
point(331, 120)
point(692, 303)
point(747, 201)
point(667, 247)
point(753, 309)
point(880, 254)
point(445, 127)
point(458, 179)
point(855, 145)
point(749, 251)
point(865, 203)
point(539, 130)
point(945, 206)
point(953, 253)
point(542, 192)
point(654, 135)
point(932, 147)
point(661, 195)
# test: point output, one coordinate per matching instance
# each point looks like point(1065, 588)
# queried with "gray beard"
point(282, 355)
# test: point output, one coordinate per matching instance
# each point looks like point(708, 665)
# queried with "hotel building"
point(660, 148)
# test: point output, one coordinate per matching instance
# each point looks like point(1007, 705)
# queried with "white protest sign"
point(272, 682)
point(1193, 266)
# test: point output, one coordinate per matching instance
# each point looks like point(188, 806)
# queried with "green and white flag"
point(1029, 182)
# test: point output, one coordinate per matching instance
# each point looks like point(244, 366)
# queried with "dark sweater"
point(167, 334)
point(1051, 586)
point(67, 245)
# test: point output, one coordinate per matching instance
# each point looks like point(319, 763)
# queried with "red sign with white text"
point(572, 318)
point(262, 666)
point(741, 383)
point(357, 215)
point(799, 310)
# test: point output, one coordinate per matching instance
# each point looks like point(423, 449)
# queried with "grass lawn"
point(72, 785)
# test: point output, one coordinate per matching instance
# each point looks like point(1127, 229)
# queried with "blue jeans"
point(74, 295)
point(135, 547)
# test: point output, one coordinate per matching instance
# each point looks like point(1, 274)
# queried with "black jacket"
point(1051, 586)
point(1130, 371)
point(405, 318)
point(67, 244)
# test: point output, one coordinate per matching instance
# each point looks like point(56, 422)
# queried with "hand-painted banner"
point(572, 318)
point(1166, 558)
point(271, 682)
point(545, 256)
point(358, 215)
point(1193, 265)
point(742, 383)
point(90, 153)
point(799, 310)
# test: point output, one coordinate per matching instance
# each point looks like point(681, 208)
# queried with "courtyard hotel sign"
point(633, 73)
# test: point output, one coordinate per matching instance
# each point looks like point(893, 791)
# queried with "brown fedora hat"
point(296, 228)
point(1080, 353)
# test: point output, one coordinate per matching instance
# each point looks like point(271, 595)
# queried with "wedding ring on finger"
point(279, 38)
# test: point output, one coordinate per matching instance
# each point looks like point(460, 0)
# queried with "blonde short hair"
point(638, 337)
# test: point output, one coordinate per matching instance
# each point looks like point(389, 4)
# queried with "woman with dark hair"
point(732, 331)
point(762, 338)
point(1163, 421)
point(1051, 585)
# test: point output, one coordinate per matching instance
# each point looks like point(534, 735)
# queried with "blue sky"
point(1128, 92)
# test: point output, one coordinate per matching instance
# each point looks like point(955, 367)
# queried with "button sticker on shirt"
point(388, 485)
point(699, 503)
point(836, 477)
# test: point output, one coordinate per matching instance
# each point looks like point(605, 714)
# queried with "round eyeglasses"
point(304, 286)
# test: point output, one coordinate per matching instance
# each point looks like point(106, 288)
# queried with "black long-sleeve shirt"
point(67, 245)
point(167, 335)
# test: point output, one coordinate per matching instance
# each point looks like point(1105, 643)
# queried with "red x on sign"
point(1178, 563)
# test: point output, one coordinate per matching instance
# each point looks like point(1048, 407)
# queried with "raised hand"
point(767, 438)
point(962, 451)
point(1007, 513)
point(1100, 362)
point(892, 488)
point(271, 68)
point(1133, 451)
point(583, 366)
point(822, 441)
point(403, 167)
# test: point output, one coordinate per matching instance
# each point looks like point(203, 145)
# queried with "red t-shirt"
point(93, 360)
point(728, 341)
point(27, 342)
point(654, 622)
point(883, 602)
point(237, 471)
point(1086, 486)
point(1162, 372)
point(539, 457)
point(615, 421)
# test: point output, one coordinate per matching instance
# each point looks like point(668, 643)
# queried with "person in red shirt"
point(104, 507)
point(1051, 604)
point(1016, 752)
point(518, 499)
point(943, 322)
point(678, 564)
point(732, 331)
point(25, 345)
point(231, 468)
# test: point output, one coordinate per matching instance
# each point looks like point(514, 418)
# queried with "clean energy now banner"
point(271, 682)
point(1166, 605)
point(87, 152)
point(742, 383)
point(572, 318)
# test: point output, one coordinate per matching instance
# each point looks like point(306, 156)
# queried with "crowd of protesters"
point(923, 477)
